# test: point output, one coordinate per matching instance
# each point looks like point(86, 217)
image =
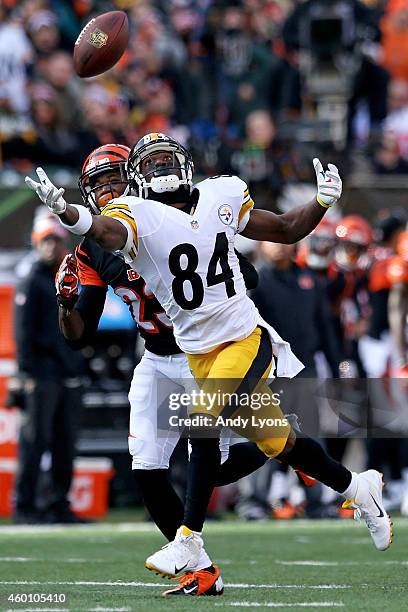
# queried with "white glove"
point(47, 192)
point(329, 185)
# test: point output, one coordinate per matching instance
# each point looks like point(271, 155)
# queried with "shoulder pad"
point(225, 182)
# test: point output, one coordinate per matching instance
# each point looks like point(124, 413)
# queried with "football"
point(101, 43)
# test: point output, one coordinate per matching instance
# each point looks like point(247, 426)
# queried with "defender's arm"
point(79, 314)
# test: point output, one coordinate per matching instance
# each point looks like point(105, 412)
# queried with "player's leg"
point(149, 469)
point(237, 460)
point(175, 376)
point(224, 369)
point(243, 459)
point(305, 455)
point(151, 449)
point(363, 491)
point(232, 369)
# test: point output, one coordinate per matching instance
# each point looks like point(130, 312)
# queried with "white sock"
point(351, 490)
point(203, 560)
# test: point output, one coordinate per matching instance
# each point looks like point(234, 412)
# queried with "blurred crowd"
point(233, 79)
point(236, 81)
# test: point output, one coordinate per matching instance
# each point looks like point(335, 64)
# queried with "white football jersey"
point(189, 262)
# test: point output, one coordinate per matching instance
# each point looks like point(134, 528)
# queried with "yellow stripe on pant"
point(239, 369)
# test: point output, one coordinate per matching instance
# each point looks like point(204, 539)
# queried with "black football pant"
point(49, 424)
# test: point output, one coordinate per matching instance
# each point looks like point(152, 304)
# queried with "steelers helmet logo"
point(225, 214)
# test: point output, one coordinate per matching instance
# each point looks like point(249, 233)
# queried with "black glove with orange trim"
point(66, 283)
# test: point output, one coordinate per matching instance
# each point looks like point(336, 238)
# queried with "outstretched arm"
point(78, 313)
point(109, 233)
point(294, 225)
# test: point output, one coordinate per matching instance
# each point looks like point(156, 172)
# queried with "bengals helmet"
point(150, 178)
point(354, 229)
point(319, 245)
point(355, 235)
point(109, 158)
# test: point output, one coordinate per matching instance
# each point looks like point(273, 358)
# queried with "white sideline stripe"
point(276, 604)
point(227, 527)
point(310, 562)
point(22, 559)
point(118, 583)
point(339, 563)
point(105, 527)
point(243, 585)
point(38, 610)
point(36, 559)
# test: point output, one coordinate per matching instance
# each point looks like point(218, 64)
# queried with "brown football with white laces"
point(101, 44)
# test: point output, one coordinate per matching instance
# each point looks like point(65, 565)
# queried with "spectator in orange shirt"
point(394, 28)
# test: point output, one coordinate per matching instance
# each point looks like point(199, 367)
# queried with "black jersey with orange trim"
point(379, 286)
point(384, 274)
point(98, 269)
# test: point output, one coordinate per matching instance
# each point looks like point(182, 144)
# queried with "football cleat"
point(202, 582)
point(287, 511)
point(180, 555)
point(368, 505)
point(306, 480)
point(345, 513)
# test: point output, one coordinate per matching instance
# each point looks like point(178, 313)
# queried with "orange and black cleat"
point(202, 582)
point(286, 511)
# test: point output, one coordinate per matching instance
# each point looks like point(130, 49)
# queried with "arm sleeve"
point(91, 298)
point(122, 213)
point(90, 305)
point(87, 273)
point(248, 271)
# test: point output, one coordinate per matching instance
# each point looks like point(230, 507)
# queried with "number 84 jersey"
point(189, 263)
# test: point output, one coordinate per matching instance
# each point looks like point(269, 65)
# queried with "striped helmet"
point(109, 159)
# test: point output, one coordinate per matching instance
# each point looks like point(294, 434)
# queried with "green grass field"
point(296, 565)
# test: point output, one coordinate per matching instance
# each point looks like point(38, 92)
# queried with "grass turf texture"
point(332, 564)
